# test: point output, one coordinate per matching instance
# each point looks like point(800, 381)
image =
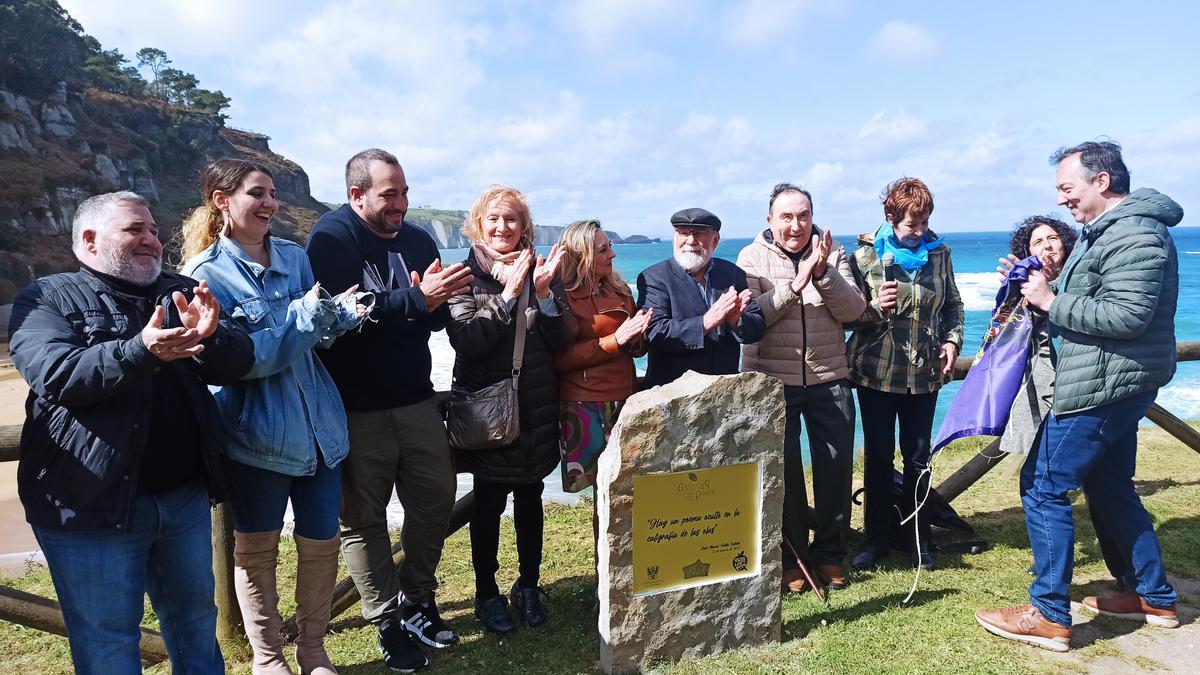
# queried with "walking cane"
point(804, 568)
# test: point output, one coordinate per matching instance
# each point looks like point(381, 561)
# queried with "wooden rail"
point(44, 614)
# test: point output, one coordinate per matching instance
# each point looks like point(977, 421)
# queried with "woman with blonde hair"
point(285, 421)
point(515, 298)
point(596, 374)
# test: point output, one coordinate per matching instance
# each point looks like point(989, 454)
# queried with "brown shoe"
point(833, 576)
point(1025, 624)
point(794, 582)
point(1129, 605)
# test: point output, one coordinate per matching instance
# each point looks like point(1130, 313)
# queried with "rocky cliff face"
point(58, 151)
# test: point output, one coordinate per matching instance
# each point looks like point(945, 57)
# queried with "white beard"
point(128, 269)
point(692, 260)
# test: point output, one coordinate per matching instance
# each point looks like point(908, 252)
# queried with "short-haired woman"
point(902, 350)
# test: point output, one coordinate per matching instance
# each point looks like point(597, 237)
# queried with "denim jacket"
point(286, 409)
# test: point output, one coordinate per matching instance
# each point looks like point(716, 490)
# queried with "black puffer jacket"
point(76, 341)
point(482, 331)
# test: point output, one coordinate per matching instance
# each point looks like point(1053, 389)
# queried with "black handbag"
point(489, 418)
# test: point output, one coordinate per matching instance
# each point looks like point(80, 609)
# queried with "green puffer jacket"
point(1115, 310)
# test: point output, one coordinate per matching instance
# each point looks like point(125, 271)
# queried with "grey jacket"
point(1115, 309)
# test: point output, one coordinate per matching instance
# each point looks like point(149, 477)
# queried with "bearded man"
point(703, 312)
point(120, 453)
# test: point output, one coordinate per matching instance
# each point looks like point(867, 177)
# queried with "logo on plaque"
point(696, 527)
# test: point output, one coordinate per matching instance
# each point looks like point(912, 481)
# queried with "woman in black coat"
point(482, 330)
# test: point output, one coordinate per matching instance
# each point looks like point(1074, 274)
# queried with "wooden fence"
point(44, 614)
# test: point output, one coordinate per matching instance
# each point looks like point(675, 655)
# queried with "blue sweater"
point(386, 364)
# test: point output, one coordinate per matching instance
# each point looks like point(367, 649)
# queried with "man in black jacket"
point(397, 437)
point(119, 454)
point(702, 307)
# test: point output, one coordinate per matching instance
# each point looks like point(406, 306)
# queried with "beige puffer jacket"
point(805, 342)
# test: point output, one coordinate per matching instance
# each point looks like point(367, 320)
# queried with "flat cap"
point(696, 217)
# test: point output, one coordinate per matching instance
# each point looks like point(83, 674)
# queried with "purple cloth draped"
point(983, 403)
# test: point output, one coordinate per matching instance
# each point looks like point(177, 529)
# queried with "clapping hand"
point(741, 302)
point(720, 309)
point(516, 275)
point(634, 327)
point(820, 254)
point(202, 313)
point(169, 344)
point(439, 284)
point(544, 271)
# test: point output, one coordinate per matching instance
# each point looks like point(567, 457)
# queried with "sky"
point(628, 110)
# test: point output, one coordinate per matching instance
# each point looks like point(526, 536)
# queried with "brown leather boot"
point(255, 555)
point(316, 574)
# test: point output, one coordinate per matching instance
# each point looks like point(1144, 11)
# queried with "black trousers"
point(880, 412)
point(490, 500)
point(827, 410)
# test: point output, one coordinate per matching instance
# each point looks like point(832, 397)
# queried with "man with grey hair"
point(1112, 310)
point(120, 453)
point(397, 436)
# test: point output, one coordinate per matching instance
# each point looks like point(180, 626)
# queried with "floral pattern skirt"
point(584, 427)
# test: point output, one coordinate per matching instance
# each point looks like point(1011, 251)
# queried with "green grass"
point(864, 628)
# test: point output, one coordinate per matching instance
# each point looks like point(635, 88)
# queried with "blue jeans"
point(260, 497)
point(1097, 450)
point(102, 577)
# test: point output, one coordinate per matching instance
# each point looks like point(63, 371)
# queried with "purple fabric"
point(983, 403)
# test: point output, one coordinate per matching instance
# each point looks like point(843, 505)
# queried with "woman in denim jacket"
point(285, 421)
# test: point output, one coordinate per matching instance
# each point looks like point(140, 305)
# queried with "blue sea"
point(974, 255)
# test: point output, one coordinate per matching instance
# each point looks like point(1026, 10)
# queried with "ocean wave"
point(978, 290)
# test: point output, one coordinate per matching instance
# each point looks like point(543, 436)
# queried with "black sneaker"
point(529, 604)
point(493, 612)
point(425, 624)
point(400, 653)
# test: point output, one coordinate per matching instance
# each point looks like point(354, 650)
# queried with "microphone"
point(889, 272)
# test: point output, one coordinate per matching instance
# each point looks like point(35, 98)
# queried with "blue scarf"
point(909, 259)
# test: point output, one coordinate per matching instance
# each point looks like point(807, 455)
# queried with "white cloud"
point(905, 41)
point(892, 125)
point(758, 23)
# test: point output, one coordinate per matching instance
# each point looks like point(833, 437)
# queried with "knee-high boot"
point(316, 574)
point(255, 555)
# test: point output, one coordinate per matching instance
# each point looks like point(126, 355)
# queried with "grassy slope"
point(863, 628)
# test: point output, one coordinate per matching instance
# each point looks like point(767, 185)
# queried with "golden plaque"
point(692, 528)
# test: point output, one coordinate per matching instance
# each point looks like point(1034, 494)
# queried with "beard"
point(127, 268)
point(692, 258)
point(377, 219)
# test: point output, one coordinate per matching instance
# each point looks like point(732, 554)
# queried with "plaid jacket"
point(901, 354)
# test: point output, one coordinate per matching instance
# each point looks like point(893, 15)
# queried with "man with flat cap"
point(702, 307)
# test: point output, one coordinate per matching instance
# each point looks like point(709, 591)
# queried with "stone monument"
point(690, 501)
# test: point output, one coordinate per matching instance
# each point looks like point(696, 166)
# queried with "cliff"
point(446, 228)
point(57, 151)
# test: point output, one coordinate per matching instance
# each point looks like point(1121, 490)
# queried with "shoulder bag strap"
point(519, 342)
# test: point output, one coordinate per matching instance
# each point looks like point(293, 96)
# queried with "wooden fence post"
point(229, 615)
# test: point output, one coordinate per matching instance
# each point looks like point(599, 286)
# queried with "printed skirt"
point(584, 427)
